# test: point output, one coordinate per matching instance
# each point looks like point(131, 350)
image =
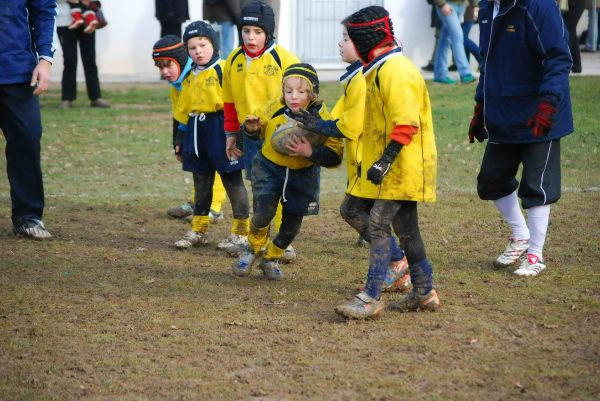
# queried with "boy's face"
point(296, 93)
point(347, 50)
point(254, 38)
point(200, 50)
point(169, 71)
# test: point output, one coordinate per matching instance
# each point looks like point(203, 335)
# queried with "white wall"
point(124, 47)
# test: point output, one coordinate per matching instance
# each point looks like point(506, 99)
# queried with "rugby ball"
point(285, 132)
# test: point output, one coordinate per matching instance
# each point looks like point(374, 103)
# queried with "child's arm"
point(314, 122)
point(252, 127)
point(320, 155)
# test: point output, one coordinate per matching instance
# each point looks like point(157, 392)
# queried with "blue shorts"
point(204, 146)
point(299, 193)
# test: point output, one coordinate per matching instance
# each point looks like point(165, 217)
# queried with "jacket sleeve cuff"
point(48, 59)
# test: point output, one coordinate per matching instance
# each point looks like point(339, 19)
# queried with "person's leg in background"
point(87, 48)
point(451, 36)
point(470, 46)
point(591, 44)
point(571, 18)
point(228, 33)
point(68, 42)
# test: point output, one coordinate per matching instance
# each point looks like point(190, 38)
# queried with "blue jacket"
point(26, 33)
point(526, 58)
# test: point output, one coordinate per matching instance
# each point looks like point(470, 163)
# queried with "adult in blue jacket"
point(26, 51)
point(523, 108)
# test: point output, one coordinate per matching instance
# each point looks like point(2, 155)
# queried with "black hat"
point(201, 28)
point(261, 15)
point(170, 48)
point(370, 28)
point(306, 72)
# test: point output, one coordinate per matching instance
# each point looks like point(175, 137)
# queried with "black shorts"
point(540, 179)
point(298, 189)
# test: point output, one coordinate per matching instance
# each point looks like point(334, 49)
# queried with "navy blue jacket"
point(26, 33)
point(525, 57)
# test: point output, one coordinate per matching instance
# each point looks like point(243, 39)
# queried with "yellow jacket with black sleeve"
point(251, 84)
point(349, 111)
point(397, 95)
point(277, 112)
point(201, 92)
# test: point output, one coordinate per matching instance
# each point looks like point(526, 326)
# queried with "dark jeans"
point(470, 46)
point(87, 46)
point(20, 122)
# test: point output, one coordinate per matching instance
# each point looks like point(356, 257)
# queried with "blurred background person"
point(69, 38)
point(225, 14)
point(171, 14)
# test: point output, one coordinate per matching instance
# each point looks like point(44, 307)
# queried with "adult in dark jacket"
point(26, 54)
point(226, 14)
point(171, 14)
point(524, 107)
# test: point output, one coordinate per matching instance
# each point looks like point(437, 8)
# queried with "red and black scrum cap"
point(170, 48)
point(370, 28)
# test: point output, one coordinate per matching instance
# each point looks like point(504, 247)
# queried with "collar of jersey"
point(382, 58)
point(270, 47)
point(199, 68)
point(184, 73)
point(351, 71)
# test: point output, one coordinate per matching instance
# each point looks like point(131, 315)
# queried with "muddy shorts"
point(298, 189)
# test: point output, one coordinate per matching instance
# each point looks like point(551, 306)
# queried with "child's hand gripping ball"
point(282, 137)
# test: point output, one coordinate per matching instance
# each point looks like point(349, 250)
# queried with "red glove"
point(477, 128)
point(542, 121)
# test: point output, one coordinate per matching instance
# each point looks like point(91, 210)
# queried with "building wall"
point(124, 47)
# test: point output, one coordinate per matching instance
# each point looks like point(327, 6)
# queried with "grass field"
point(108, 310)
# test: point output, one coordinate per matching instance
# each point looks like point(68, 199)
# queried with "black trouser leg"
point(87, 47)
point(68, 42)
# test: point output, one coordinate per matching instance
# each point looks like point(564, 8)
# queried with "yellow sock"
point(257, 238)
point(240, 226)
point(273, 251)
point(278, 216)
point(219, 194)
point(200, 223)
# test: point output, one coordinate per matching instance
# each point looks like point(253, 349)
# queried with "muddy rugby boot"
point(414, 302)
point(362, 306)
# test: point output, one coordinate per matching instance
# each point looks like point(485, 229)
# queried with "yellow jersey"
point(397, 95)
point(201, 92)
point(253, 83)
point(349, 112)
point(277, 112)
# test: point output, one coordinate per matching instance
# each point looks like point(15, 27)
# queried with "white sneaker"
point(530, 266)
point(513, 252)
point(190, 239)
point(233, 244)
point(289, 255)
